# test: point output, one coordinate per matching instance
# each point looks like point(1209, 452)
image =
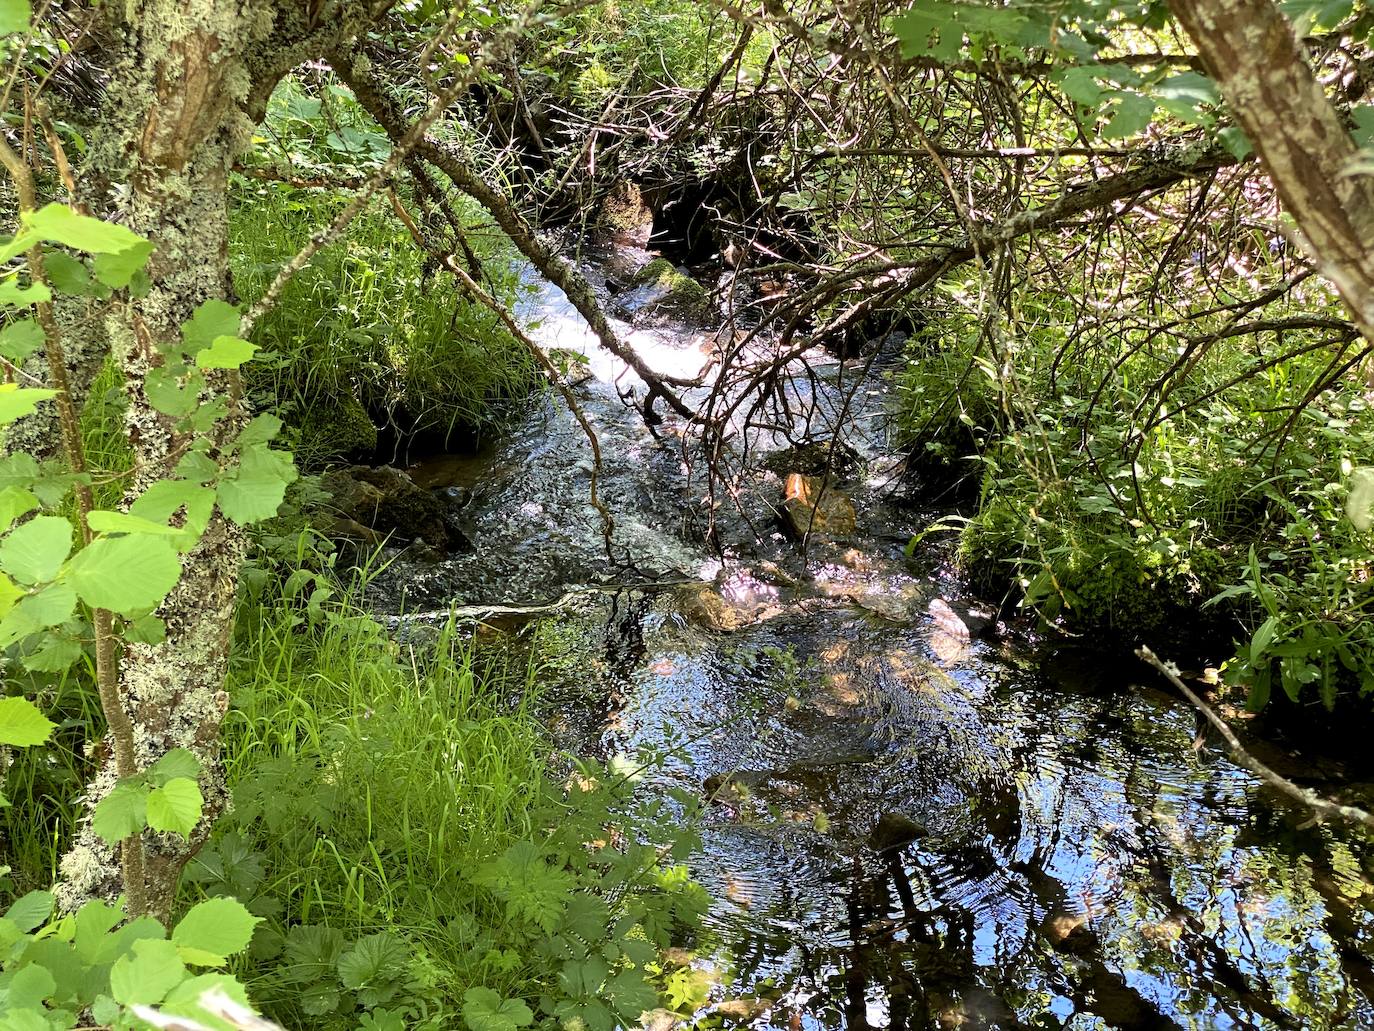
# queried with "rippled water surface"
point(910, 824)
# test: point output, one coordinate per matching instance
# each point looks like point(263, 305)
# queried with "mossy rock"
point(333, 428)
point(661, 287)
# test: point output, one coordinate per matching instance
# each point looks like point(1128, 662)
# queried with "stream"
point(915, 818)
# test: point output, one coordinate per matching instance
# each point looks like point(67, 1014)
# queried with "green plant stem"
point(107, 664)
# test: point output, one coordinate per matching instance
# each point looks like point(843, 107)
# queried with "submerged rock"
point(815, 458)
point(811, 507)
point(384, 500)
point(893, 831)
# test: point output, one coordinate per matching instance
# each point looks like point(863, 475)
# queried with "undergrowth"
point(1183, 518)
point(416, 851)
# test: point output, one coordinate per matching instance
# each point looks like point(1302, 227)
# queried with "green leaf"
point(178, 763)
point(58, 223)
point(260, 430)
point(14, 17)
point(1080, 85)
point(631, 994)
point(94, 922)
point(20, 339)
point(256, 487)
point(125, 574)
point(124, 811)
point(169, 395)
point(485, 1010)
point(67, 275)
point(50, 606)
point(19, 470)
point(227, 352)
point(175, 806)
point(21, 724)
point(22, 296)
point(31, 910)
point(54, 655)
point(145, 977)
point(15, 502)
point(118, 269)
point(27, 989)
point(214, 930)
point(165, 498)
point(33, 552)
point(146, 630)
point(101, 521)
point(1131, 115)
point(212, 320)
point(17, 402)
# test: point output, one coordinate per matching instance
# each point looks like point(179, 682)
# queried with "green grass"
point(366, 336)
point(370, 780)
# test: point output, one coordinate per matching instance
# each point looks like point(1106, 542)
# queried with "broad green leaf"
point(1131, 115)
point(165, 498)
point(101, 521)
point(214, 930)
point(124, 811)
point(22, 296)
point(20, 339)
point(127, 574)
point(51, 606)
point(1080, 85)
point(19, 470)
point(21, 724)
point(146, 630)
point(15, 502)
point(175, 806)
point(256, 487)
point(631, 994)
point(12, 245)
point(260, 430)
point(118, 269)
point(169, 395)
point(178, 763)
point(146, 976)
point(17, 402)
point(54, 655)
point(1189, 96)
point(227, 352)
point(94, 921)
point(33, 552)
point(58, 223)
point(485, 1010)
point(31, 910)
point(67, 275)
point(14, 17)
point(212, 320)
point(10, 592)
point(27, 989)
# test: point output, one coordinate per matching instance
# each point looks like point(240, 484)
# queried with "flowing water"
point(913, 819)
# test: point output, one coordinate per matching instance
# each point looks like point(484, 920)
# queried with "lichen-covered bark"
point(189, 79)
point(1249, 47)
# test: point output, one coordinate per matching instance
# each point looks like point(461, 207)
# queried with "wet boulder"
point(386, 501)
point(661, 289)
point(811, 507)
point(626, 215)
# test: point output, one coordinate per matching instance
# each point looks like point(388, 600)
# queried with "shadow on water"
point(908, 824)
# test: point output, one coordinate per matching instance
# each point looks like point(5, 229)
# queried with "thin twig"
point(1322, 806)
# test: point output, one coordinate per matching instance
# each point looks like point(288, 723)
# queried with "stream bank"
point(912, 819)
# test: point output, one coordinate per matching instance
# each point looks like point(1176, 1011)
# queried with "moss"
point(682, 293)
point(333, 428)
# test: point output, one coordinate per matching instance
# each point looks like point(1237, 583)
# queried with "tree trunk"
point(1250, 49)
point(189, 80)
